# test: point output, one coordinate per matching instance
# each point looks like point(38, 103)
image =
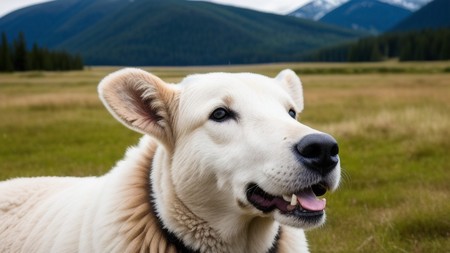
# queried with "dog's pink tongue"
point(309, 201)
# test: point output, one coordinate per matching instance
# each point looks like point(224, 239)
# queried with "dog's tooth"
point(286, 198)
point(293, 200)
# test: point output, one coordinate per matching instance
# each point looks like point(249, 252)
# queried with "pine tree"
point(444, 53)
point(20, 57)
point(375, 54)
point(406, 51)
point(6, 63)
point(36, 60)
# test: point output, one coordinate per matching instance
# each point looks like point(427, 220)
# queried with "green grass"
point(393, 129)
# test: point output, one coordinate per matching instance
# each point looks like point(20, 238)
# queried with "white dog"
point(224, 166)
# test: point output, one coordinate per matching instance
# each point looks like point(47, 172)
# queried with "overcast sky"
point(275, 6)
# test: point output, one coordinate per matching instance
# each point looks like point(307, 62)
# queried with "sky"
point(275, 6)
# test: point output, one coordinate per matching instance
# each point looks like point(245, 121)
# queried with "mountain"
point(169, 32)
point(51, 22)
point(316, 9)
point(436, 14)
point(367, 15)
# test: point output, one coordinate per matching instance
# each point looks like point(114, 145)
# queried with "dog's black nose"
point(318, 152)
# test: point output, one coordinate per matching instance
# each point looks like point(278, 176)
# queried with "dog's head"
point(233, 142)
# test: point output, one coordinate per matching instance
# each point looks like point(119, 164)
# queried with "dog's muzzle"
point(318, 154)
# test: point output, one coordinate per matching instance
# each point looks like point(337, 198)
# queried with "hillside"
point(50, 23)
point(170, 32)
point(366, 15)
point(436, 14)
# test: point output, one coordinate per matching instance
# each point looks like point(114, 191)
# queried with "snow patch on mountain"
point(317, 9)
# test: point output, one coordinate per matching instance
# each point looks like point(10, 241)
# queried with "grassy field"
point(392, 122)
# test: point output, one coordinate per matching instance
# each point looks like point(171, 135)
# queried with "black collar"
point(172, 239)
point(274, 248)
point(175, 241)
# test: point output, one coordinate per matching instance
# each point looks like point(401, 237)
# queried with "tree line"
point(16, 56)
point(424, 45)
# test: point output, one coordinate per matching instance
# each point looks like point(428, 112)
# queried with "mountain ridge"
point(365, 15)
point(172, 32)
point(433, 15)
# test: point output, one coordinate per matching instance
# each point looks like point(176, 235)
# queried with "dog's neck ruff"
point(181, 247)
point(196, 226)
point(140, 225)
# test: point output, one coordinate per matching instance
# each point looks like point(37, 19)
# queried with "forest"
point(16, 56)
point(424, 45)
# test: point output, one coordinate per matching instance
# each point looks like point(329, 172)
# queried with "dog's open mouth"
point(302, 204)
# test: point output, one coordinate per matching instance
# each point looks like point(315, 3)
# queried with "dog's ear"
point(293, 85)
point(141, 101)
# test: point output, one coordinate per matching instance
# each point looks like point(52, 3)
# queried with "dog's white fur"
point(189, 170)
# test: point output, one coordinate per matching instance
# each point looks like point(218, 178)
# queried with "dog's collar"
point(174, 240)
point(170, 237)
point(274, 248)
point(180, 246)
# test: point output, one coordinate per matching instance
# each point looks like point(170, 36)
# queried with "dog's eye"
point(220, 114)
point(292, 113)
